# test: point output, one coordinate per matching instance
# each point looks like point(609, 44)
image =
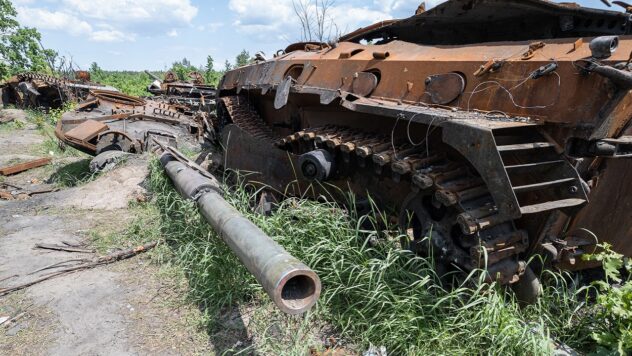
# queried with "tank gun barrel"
point(292, 285)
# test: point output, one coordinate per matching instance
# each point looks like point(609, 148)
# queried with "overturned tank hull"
point(111, 121)
point(497, 144)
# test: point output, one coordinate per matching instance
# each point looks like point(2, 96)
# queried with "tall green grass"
point(373, 294)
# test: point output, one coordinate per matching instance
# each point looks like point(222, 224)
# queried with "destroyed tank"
point(501, 129)
point(113, 121)
point(42, 91)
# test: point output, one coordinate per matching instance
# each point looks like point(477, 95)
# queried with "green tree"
point(210, 75)
point(243, 59)
point(95, 70)
point(227, 66)
point(20, 47)
point(209, 63)
point(183, 68)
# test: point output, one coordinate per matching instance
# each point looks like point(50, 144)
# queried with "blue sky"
point(151, 34)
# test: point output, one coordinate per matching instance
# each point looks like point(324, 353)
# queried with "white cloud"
point(72, 25)
point(262, 17)
point(274, 19)
point(53, 20)
point(269, 20)
point(349, 18)
point(110, 36)
point(109, 20)
point(162, 11)
point(404, 8)
point(214, 26)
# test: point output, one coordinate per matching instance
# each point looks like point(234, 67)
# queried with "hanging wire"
point(511, 96)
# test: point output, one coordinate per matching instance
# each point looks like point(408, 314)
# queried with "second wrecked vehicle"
point(112, 121)
point(501, 129)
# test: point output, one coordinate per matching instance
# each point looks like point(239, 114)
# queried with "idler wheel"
point(316, 165)
point(429, 229)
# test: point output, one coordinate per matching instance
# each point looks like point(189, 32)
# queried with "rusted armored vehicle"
point(112, 121)
point(35, 90)
point(499, 128)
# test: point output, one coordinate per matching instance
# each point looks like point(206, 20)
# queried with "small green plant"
point(74, 174)
point(55, 114)
point(11, 126)
point(613, 316)
point(37, 117)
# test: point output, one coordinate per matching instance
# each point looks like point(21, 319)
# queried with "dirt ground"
point(121, 309)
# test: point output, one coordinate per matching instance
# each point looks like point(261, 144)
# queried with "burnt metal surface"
point(491, 123)
point(475, 21)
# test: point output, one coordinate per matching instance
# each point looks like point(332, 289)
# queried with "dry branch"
point(103, 260)
point(10, 277)
point(63, 248)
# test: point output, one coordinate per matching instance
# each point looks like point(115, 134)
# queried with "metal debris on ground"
point(106, 161)
point(14, 192)
point(25, 166)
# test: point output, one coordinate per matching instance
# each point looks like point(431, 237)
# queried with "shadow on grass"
point(73, 174)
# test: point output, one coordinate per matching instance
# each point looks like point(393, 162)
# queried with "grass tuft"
point(73, 174)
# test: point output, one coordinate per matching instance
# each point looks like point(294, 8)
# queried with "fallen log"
point(100, 261)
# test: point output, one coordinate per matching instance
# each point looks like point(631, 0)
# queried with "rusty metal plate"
point(21, 167)
point(364, 83)
point(445, 88)
point(283, 93)
point(87, 130)
point(609, 214)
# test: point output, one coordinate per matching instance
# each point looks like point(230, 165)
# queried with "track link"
point(241, 113)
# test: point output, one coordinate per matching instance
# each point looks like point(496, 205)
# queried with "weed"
point(73, 174)
point(12, 126)
point(613, 319)
point(55, 114)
